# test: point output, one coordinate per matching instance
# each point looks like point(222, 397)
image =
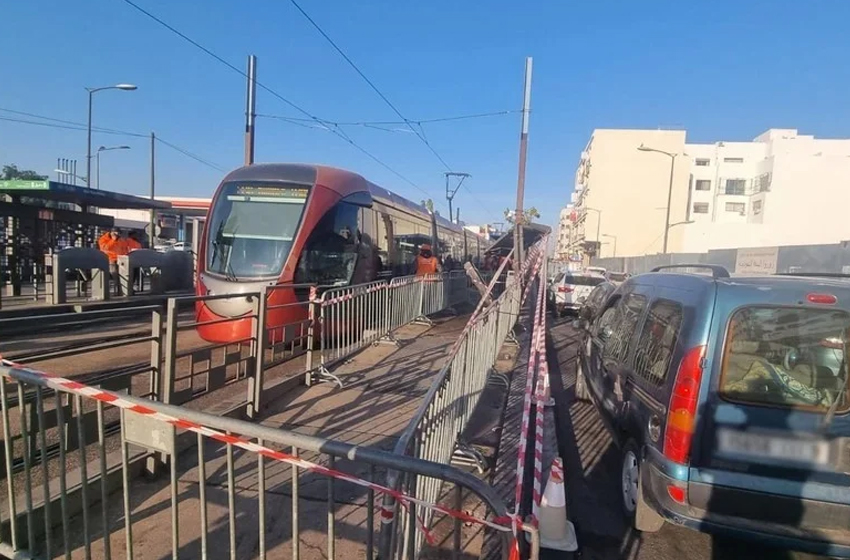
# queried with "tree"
point(529, 215)
point(429, 204)
point(11, 172)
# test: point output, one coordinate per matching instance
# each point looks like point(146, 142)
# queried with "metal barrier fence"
point(253, 491)
point(352, 318)
point(433, 433)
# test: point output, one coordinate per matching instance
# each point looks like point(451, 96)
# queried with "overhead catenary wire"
point(52, 122)
point(370, 83)
point(418, 122)
point(386, 100)
point(327, 124)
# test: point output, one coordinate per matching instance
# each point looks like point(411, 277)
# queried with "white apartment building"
point(565, 231)
point(783, 188)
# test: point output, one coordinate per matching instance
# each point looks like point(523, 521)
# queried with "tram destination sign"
point(272, 191)
point(24, 185)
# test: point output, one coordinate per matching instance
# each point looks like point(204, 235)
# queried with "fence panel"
point(351, 319)
point(433, 432)
point(253, 491)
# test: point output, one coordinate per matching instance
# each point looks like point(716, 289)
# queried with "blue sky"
point(722, 69)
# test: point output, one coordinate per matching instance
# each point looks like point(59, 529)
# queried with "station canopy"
point(531, 234)
point(81, 196)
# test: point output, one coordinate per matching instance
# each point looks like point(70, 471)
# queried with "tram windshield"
point(252, 228)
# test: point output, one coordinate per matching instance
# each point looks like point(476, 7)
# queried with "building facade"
point(783, 188)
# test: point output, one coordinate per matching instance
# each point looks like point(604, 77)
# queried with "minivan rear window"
point(578, 280)
point(787, 357)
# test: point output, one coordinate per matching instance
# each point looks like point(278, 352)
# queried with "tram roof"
point(82, 196)
point(342, 181)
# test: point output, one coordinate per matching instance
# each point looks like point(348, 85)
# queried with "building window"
point(757, 206)
point(762, 183)
point(733, 160)
point(736, 186)
point(739, 207)
point(700, 207)
point(703, 185)
point(703, 162)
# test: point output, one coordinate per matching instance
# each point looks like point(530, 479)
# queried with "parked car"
point(618, 277)
point(728, 398)
point(569, 290)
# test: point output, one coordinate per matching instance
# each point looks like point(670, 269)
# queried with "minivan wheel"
point(640, 515)
point(629, 478)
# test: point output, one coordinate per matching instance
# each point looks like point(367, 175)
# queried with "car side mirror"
point(605, 333)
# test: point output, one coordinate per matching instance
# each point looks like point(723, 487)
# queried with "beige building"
point(783, 188)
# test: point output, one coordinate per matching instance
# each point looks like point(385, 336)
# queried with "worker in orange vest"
point(426, 263)
point(132, 242)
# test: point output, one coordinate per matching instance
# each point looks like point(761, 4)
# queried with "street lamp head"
point(643, 148)
point(126, 87)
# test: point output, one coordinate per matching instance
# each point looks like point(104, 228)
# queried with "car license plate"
point(761, 445)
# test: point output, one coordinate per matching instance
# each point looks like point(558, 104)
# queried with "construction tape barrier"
point(61, 384)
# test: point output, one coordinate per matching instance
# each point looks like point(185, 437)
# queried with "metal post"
point(523, 153)
point(669, 201)
point(98, 169)
point(449, 197)
point(251, 104)
point(88, 150)
point(152, 233)
point(255, 382)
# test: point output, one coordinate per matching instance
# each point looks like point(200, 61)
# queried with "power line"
point(333, 129)
point(371, 84)
point(386, 100)
point(71, 125)
point(419, 122)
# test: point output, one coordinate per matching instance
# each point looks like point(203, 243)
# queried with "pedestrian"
point(426, 263)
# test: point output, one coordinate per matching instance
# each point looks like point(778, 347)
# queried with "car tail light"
point(825, 299)
point(676, 493)
point(564, 289)
point(681, 415)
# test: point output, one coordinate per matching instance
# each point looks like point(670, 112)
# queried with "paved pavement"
point(592, 475)
point(383, 387)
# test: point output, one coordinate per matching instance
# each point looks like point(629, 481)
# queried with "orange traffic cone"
point(555, 531)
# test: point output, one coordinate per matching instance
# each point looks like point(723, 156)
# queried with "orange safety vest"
point(132, 244)
point(425, 266)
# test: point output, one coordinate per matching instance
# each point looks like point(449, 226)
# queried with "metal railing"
point(350, 319)
point(434, 432)
point(253, 491)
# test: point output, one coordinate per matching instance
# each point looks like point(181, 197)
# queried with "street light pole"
point(92, 91)
point(97, 157)
point(672, 157)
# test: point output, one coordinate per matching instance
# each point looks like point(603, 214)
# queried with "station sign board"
point(24, 185)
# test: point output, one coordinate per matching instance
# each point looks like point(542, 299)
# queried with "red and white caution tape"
point(537, 334)
point(65, 385)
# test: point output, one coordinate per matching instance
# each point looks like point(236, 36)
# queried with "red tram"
point(307, 224)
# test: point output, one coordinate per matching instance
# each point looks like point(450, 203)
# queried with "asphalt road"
point(592, 464)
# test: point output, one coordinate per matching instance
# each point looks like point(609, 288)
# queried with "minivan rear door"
point(774, 418)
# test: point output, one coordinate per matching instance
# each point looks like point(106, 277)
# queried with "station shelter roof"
point(82, 196)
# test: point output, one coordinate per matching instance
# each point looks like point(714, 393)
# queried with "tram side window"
point(330, 253)
point(383, 234)
point(407, 238)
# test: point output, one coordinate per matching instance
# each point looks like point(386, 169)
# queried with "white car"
point(569, 290)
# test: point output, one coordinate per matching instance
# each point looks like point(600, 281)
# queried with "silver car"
point(569, 290)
